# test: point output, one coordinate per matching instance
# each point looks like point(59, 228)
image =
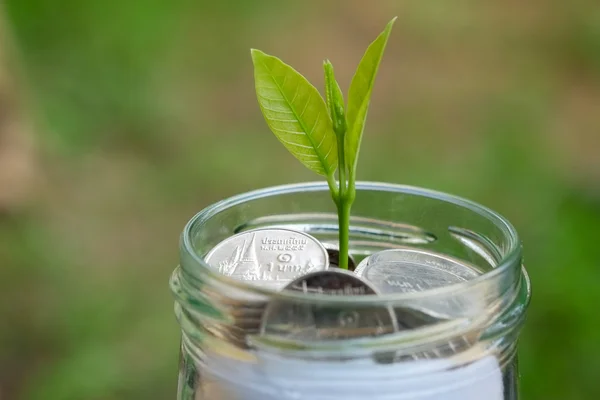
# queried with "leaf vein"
point(330, 148)
point(277, 111)
point(283, 120)
point(269, 98)
point(296, 93)
point(313, 128)
point(306, 105)
point(290, 132)
point(295, 144)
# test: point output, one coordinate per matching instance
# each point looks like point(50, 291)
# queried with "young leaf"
point(335, 100)
point(359, 96)
point(296, 113)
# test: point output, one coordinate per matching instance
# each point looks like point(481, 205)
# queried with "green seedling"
point(325, 135)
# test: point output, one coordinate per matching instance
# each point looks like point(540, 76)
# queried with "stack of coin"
point(268, 258)
point(284, 259)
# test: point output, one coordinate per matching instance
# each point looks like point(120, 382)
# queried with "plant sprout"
point(325, 135)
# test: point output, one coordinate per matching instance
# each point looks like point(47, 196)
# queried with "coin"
point(334, 256)
point(321, 321)
point(413, 270)
point(268, 257)
point(262, 257)
point(361, 266)
point(335, 282)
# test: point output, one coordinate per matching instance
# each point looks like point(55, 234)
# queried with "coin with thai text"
point(318, 320)
point(268, 257)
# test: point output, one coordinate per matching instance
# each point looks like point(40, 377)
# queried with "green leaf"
point(296, 113)
point(335, 100)
point(359, 96)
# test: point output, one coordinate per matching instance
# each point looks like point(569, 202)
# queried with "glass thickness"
point(465, 348)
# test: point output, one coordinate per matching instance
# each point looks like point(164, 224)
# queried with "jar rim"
point(509, 260)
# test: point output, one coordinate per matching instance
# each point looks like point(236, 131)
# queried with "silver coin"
point(360, 268)
point(263, 257)
point(334, 282)
point(268, 257)
point(315, 321)
point(413, 270)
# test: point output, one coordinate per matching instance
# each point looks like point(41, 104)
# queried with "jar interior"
point(381, 219)
point(467, 320)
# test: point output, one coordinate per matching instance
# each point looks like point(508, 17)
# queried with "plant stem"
point(344, 227)
point(351, 192)
point(344, 219)
point(343, 206)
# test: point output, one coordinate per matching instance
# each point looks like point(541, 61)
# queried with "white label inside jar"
point(276, 378)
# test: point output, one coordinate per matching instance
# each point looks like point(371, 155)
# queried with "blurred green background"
point(121, 119)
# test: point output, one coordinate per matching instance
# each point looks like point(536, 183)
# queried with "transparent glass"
point(468, 354)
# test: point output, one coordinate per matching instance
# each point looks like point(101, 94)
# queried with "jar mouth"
point(509, 262)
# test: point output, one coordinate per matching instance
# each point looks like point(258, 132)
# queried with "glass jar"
point(470, 353)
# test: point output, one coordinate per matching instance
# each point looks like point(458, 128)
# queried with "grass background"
point(145, 113)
